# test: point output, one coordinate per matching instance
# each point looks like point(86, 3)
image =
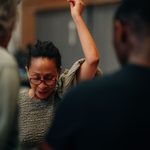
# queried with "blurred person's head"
point(8, 15)
point(43, 68)
point(132, 32)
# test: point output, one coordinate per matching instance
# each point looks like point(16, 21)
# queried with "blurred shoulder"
point(96, 86)
point(6, 59)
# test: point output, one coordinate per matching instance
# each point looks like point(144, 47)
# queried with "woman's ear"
point(120, 35)
point(26, 68)
point(59, 72)
point(121, 41)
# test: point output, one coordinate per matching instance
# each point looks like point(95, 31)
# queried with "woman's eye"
point(36, 78)
point(49, 78)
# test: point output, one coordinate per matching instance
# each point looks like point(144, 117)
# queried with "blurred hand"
point(76, 7)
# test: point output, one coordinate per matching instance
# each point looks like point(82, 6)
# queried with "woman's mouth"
point(42, 92)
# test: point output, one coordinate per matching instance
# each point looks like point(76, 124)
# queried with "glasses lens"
point(50, 81)
point(35, 81)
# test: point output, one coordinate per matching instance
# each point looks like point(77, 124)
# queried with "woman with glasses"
point(37, 104)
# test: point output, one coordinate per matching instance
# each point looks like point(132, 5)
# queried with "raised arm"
point(89, 67)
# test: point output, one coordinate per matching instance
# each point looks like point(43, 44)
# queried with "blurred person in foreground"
point(38, 103)
point(112, 112)
point(9, 79)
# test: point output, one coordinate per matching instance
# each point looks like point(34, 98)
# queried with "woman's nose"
point(42, 85)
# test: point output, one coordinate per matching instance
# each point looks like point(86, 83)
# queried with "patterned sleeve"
point(69, 77)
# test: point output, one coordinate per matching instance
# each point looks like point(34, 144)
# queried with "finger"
point(80, 2)
point(76, 2)
point(71, 2)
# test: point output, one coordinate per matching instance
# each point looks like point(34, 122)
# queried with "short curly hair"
point(8, 15)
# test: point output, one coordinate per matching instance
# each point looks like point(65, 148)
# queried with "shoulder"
point(68, 78)
point(98, 87)
point(23, 95)
point(6, 60)
point(9, 77)
point(23, 92)
point(71, 73)
point(87, 96)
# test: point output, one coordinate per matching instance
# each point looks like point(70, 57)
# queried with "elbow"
point(94, 61)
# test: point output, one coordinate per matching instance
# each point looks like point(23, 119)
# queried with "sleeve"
point(66, 124)
point(9, 86)
point(69, 77)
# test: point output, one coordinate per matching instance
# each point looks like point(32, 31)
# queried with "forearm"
point(87, 42)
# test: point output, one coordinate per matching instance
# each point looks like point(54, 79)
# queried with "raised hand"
point(76, 7)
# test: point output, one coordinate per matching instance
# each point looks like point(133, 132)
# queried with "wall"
point(31, 7)
point(103, 33)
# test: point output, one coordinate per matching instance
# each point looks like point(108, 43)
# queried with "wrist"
point(76, 18)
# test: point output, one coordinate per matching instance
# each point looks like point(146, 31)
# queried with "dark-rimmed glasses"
point(46, 81)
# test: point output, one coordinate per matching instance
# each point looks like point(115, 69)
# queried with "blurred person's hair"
point(135, 14)
point(8, 15)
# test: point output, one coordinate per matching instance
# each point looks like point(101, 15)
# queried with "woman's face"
point(43, 76)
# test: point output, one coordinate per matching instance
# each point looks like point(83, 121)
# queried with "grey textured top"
point(36, 115)
point(35, 118)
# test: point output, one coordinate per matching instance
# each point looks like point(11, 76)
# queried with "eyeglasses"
point(47, 81)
